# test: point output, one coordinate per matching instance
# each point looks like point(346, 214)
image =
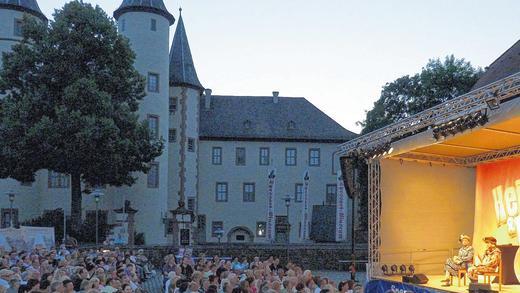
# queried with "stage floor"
point(435, 283)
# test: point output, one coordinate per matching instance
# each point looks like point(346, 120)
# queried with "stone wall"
point(309, 256)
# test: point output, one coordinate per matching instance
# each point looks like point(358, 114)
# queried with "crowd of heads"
point(240, 275)
point(65, 270)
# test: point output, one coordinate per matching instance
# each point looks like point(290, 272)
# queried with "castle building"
point(219, 150)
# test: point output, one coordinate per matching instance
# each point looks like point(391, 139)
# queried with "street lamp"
point(219, 233)
point(97, 195)
point(11, 195)
point(287, 200)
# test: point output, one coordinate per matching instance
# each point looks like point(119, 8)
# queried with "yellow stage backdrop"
point(497, 204)
point(424, 210)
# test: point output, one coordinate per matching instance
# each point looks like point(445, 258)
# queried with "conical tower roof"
point(152, 6)
point(182, 69)
point(27, 6)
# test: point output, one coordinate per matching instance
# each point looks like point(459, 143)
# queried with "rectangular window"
point(18, 27)
point(216, 156)
point(314, 157)
point(153, 175)
point(249, 192)
point(240, 157)
point(58, 180)
point(153, 25)
point(6, 218)
point(27, 183)
point(290, 157)
point(153, 126)
point(123, 25)
point(264, 157)
point(191, 204)
point(221, 192)
point(153, 82)
point(260, 229)
point(298, 192)
point(191, 145)
point(330, 199)
point(173, 105)
point(217, 228)
point(172, 135)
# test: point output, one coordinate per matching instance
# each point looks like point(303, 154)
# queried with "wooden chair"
point(462, 273)
point(498, 274)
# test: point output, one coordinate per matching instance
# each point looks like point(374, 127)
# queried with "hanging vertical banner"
point(304, 231)
point(270, 205)
point(341, 202)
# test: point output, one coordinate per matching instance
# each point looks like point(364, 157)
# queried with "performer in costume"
point(489, 262)
point(460, 261)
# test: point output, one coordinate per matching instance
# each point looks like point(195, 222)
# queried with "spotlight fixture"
point(411, 269)
point(492, 102)
point(394, 269)
point(384, 269)
point(460, 124)
point(402, 269)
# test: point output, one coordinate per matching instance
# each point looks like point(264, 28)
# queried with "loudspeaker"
point(416, 279)
point(480, 288)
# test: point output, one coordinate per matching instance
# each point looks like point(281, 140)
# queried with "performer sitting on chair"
point(489, 262)
point(460, 261)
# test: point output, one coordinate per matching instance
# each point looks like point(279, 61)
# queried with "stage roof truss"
point(477, 100)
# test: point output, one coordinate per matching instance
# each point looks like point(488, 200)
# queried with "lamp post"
point(220, 233)
point(287, 200)
point(11, 195)
point(97, 195)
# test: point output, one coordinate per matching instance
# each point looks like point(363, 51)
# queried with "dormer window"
point(291, 125)
point(247, 124)
point(17, 27)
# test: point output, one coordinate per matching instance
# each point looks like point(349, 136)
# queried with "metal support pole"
point(353, 239)
point(11, 215)
point(288, 233)
point(97, 225)
point(64, 227)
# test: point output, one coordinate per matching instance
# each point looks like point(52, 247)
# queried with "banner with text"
point(497, 205)
point(270, 205)
point(304, 231)
point(341, 202)
point(26, 238)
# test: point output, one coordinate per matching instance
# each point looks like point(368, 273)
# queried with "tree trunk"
point(75, 201)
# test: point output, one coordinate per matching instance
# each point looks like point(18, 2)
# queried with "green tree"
point(72, 102)
point(438, 82)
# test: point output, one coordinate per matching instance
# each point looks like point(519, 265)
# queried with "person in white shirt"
point(5, 277)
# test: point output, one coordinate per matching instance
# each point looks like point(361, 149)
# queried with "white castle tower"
point(11, 15)
point(185, 96)
point(147, 24)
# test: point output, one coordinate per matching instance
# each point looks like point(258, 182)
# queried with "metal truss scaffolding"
point(374, 213)
point(498, 91)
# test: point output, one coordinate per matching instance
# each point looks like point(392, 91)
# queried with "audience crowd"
point(215, 275)
point(70, 270)
point(115, 271)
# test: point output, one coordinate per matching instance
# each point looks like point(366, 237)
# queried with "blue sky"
point(336, 53)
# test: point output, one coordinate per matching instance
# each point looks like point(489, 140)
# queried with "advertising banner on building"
point(27, 238)
point(270, 233)
point(341, 202)
point(304, 231)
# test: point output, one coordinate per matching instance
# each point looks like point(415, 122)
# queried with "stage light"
point(384, 269)
point(411, 269)
point(394, 269)
point(391, 150)
point(493, 103)
point(402, 269)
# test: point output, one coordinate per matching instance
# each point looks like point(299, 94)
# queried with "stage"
point(434, 285)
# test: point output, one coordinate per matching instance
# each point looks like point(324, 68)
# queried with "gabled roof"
point(151, 6)
point(507, 64)
point(260, 119)
point(28, 6)
point(182, 69)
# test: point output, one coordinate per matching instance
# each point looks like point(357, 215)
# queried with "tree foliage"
point(72, 102)
point(438, 82)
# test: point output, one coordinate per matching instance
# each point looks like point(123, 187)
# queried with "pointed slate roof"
point(28, 6)
point(182, 69)
point(151, 6)
point(252, 118)
point(507, 64)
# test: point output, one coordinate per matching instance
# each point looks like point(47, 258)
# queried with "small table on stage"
point(508, 264)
